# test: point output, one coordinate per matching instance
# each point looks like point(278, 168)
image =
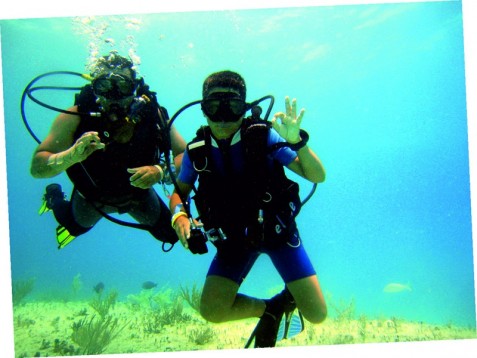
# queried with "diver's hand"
point(145, 177)
point(88, 143)
point(182, 227)
point(288, 127)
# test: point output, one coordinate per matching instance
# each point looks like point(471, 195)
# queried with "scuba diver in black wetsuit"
point(110, 144)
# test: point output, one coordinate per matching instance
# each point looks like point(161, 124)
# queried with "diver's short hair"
point(110, 62)
point(226, 79)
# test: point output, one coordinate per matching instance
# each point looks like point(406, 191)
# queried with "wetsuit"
point(229, 198)
point(102, 182)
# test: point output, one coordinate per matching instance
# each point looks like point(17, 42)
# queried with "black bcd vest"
point(260, 201)
point(103, 175)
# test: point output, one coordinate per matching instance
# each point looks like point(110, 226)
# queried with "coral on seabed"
point(159, 321)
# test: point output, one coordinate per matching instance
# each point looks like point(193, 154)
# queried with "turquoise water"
point(384, 90)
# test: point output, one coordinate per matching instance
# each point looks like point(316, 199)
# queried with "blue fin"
point(291, 325)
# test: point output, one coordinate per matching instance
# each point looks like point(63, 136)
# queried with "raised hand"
point(288, 124)
point(88, 143)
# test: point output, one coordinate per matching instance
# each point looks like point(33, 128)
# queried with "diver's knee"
point(212, 314)
point(316, 316)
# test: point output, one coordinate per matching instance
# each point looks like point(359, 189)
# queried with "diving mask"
point(224, 107)
point(113, 86)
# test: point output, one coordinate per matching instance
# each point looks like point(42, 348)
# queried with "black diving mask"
point(113, 86)
point(224, 107)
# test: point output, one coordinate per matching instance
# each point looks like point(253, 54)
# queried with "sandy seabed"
point(46, 329)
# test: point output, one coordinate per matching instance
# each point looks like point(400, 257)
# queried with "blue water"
point(384, 91)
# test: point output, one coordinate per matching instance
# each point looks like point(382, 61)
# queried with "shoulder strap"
point(86, 100)
point(255, 137)
point(255, 134)
point(199, 149)
point(158, 113)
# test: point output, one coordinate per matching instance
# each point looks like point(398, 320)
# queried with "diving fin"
point(252, 337)
point(292, 324)
point(63, 236)
point(44, 208)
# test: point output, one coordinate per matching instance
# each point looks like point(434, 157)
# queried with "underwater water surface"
point(389, 231)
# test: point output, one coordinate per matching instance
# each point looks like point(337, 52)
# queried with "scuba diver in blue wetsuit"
point(248, 204)
point(109, 143)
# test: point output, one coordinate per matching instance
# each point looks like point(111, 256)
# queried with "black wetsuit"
point(103, 182)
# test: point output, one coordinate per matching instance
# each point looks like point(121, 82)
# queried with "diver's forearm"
point(313, 169)
point(174, 201)
point(48, 165)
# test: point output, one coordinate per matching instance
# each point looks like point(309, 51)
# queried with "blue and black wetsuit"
point(239, 181)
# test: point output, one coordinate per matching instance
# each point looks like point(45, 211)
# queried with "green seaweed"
point(170, 314)
point(202, 335)
point(167, 313)
point(95, 334)
point(21, 322)
point(191, 296)
point(101, 304)
point(21, 289)
point(64, 348)
point(76, 284)
point(343, 310)
point(153, 324)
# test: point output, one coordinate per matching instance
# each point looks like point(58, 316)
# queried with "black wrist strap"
point(304, 140)
point(296, 146)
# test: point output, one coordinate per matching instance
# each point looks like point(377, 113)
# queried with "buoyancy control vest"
point(254, 205)
point(103, 175)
